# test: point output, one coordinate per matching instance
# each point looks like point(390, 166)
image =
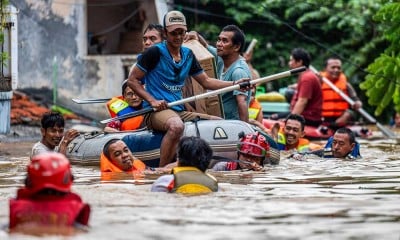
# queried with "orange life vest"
point(118, 107)
point(254, 109)
point(132, 123)
point(333, 104)
point(302, 145)
point(107, 166)
point(48, 210)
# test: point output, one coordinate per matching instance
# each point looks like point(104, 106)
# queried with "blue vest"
point(166, 80)
point(354, 154)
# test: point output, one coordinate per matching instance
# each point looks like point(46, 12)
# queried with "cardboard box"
point(211, 105)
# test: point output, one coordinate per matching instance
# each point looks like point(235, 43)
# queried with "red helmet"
point(49, 170)
point(254, 144)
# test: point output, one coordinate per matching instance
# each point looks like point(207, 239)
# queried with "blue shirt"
point(165, 77)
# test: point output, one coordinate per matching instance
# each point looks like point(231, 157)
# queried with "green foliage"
point(346, 28)
point(383, 81)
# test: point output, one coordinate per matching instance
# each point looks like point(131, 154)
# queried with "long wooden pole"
point(211, 93)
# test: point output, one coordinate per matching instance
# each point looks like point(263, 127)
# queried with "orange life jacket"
point(254, 109)
point(333, 104)
point(118, 107)
point(107, 166)
point(48, 210)
point(302, 145)
point(132, 123)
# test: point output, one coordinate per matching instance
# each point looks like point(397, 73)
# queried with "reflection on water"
point(311, 199)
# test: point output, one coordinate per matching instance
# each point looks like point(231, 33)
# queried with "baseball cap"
point(174, 20)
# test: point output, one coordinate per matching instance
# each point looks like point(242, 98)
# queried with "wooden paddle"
point(387, 132)
point(211, 93)
point(251, 46)
point(90, 101)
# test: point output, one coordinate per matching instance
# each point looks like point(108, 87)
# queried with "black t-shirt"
point(150, 58)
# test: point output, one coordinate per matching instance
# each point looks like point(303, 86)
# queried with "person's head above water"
point(343, 142)
point(254, 148)
point(118, 153)
point(194, 152)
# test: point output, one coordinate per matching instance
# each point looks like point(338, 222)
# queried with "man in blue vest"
point(343, 144)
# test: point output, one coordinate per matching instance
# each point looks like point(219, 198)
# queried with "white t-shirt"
point(39, 147)
point(162, 183)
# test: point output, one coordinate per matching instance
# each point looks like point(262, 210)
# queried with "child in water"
point(46, 199)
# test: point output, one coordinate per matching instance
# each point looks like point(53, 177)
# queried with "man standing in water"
point(53, 138)
point(165, 67)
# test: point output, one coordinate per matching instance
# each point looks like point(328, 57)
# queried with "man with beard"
point(291, 137)
point(53, 137)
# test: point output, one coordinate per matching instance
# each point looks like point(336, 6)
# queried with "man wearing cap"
point(165, 67)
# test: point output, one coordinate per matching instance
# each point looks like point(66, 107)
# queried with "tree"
point(382, 84)
point(323, 27)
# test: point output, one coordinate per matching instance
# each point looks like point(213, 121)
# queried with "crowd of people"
point(156, 80)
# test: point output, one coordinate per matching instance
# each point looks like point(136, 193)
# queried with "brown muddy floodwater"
point(311, 199)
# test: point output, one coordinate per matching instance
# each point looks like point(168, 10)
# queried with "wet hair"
point(155, 26)
point(344, 130)
point(298, 118)
point(52, 119)
point(194, 152)
point(106, 148)
point(301, 54)
point(238, 37)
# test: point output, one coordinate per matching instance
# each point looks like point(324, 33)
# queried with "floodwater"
point(311, 199)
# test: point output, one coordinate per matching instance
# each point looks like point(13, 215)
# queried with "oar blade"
point(90, 101)
point(387, 132)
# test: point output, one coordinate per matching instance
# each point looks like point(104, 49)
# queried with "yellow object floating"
point(271, 97)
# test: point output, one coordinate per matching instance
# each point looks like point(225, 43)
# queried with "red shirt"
point(309, 86)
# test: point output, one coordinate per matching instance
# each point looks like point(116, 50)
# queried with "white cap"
point(174, 20)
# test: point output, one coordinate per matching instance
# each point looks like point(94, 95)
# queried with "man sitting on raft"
point(127, 103)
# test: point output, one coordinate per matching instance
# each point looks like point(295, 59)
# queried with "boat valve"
point(324, 130)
